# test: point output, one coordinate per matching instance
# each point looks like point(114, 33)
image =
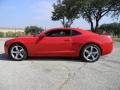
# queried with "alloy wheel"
point(17, 52)
point(91, 53)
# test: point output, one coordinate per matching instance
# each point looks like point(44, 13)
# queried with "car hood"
point(21, 39)
point(25, 37)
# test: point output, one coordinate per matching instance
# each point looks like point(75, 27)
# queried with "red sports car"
point(60, 42)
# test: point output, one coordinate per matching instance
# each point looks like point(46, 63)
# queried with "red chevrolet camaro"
point(60, 42)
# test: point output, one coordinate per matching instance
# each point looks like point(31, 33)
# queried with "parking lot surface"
point(60, 73)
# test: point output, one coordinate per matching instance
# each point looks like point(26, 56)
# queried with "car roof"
point(62, 28)
point(77, 29)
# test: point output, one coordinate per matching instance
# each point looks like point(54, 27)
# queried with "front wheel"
point(17, 52)
point(91, 53)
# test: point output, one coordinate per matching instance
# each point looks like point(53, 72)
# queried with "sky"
point(22, 13)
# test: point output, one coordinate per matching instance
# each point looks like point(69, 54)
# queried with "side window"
point(65, 33)
point(52, 33)
point(74, 33)
point(58, 33)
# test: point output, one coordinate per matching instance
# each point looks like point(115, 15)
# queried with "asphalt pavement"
point(60, 73)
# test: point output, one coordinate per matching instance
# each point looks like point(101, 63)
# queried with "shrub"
point(33, 30)
point(112, 29)
point(10, 34)
point(1, 34)
point(19, 34)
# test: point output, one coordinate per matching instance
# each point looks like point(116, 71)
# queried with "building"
point(5, 29)
point(11, 32)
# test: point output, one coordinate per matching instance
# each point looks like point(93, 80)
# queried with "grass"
point(116, 39)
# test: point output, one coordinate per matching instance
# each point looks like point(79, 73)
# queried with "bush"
point(33, 30)
point(19, 34)
point(1, 34)
point(111, 29)
point(10, 34)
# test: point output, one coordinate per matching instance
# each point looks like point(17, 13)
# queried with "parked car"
point(60, 42)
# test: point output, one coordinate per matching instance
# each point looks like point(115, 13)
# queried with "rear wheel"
point(91, 53)
point(18, 52)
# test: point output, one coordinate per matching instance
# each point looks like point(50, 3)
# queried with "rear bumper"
point(107, 48)
point(106, 44)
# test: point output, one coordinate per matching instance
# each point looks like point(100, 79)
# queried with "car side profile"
point(60, 42)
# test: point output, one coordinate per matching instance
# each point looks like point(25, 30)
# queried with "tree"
point(116, 9)
point(33, 30)
point(1, 34)
point(66, 11)
point(113, 29)
point(94, 10)
point(90, 10)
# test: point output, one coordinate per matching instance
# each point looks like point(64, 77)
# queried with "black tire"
point(21, 50)
point(91, 54)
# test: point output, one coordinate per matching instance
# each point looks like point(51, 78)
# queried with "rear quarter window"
point(74, 33)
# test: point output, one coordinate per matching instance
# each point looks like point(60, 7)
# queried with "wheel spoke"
point(13, 52)
point(16, 56)
point(87, 51)
point(89, 55)
point(21, 55)
point(16, 47)
point(93, 57)
point(21, 50)
point(91, 48)
point(95, 53)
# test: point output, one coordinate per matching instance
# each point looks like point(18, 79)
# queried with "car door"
point(55, 43)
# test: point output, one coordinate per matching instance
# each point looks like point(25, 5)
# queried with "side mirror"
point(41, 36)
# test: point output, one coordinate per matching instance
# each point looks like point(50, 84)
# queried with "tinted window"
point(58, 33)
point(75, 33)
